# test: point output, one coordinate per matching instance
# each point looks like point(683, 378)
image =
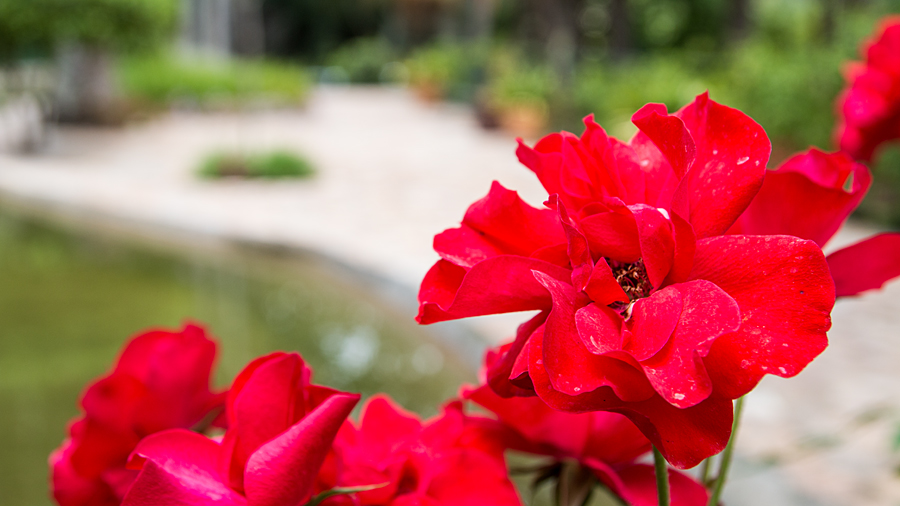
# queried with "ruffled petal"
point(677, 372)
point(866, 265)
point(499, 223)
point(807, 197)
point(652, 323)
point(264, 407)
point(179, 467)
point(732, 152)
point(785, 294)
point(572, 368)
point(502, 284)
point(602, 286)
point(501, 368)
point(282, 472)
point(667, 133)
point(684, 436)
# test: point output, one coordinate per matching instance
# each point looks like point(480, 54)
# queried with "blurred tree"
point(83, 34)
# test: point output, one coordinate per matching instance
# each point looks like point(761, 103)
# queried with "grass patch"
point(274, 165)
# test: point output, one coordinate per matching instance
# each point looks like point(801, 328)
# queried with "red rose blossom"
point(810, 196)
point(869, 109)
point(443, 462)
point(606, 443)
point(161, 381)
point(645, 307)
point(280, 430)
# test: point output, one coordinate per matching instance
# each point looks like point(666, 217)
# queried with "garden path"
point(393, 172)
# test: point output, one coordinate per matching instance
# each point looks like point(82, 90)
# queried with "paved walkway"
point(391, 174)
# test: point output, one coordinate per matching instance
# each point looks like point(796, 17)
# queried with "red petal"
point(500, 371)
point(669, 135)
point(653, 320)
point(639, 483)
point(866, 265)
point(602, 286)
point(578, 251)
point(264, 408)
point(499, 223)
point(657, 243)
point(806, 197)
point(600, 329)
point(685, 246)
point(732, 152)
point(572, 368)
point(677, 372)
point(283, 471)
point(684, 436)
point(785, 294)
point(613, 235)
point(502, 284)
point(179, 467)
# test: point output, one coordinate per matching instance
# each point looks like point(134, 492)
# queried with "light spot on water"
point(783, 370)
point(715, 151)
point(663, 212)
point(678, 397)
point(742, 160)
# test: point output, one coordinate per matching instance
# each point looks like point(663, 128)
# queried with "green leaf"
point(315, 501)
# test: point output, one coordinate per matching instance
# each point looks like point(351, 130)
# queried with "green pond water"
point(69, 299)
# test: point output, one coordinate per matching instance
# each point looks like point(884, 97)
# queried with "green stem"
point(704, 471)
point(726, 456)
point(662, 478)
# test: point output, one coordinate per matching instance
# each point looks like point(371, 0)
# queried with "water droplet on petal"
point(742, 160)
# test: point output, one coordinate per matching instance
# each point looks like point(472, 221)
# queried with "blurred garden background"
point(276, 169)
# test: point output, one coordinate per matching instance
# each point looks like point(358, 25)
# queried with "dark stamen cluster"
point(632, 278)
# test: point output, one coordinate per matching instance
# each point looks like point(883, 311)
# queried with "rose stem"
point(662, 477)
point(726, 455)
point(704, 471)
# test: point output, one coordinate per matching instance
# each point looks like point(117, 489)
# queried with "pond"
point(69, 299)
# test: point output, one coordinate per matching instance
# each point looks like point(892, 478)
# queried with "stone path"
point(393, 172)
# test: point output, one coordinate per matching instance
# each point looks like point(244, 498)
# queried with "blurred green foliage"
point(159, 78)
point(515, 82)
point(35, 27)
point(364, 59)
point(277, 164)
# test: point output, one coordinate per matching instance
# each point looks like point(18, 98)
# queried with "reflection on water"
point(69, 300)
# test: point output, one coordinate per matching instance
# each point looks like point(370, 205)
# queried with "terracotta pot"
point(524, 120)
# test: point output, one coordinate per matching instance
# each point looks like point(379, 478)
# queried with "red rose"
point(810, 196)
point(444, 461)
point(161, 381)
point(606, 443)
point(869, 109)
point(280, 430)
point(645, 307)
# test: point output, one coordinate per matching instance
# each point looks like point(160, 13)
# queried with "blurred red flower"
point(810, 196)
point(280, 430)
point(607, 444)
point(869, 108)
point(445, 461)
point(646, 308)
point(161, 381)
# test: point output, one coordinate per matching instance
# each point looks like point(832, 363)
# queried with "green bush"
point(161, 78)
point(277, 164)
point(363, 59)
point(39, 25)
point(454, 69)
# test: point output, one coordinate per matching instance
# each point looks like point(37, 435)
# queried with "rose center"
point(633, 279)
